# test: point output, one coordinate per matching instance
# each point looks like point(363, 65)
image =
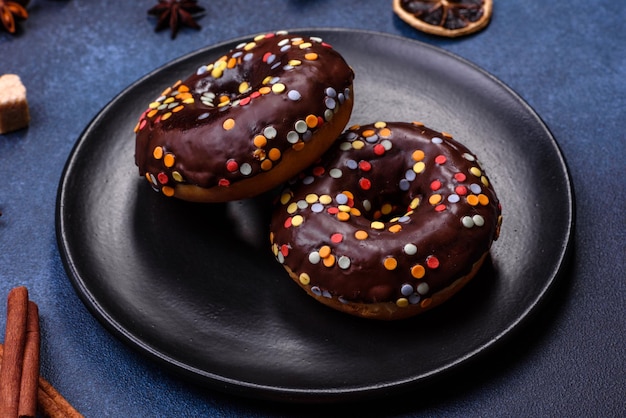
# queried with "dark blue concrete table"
point(566, 59)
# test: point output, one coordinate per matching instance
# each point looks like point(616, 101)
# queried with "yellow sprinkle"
point(274, 154)
point(292, 208)
point(344, 208)
point(311, 56)
point(377, 225)
point(177, 176)
point(168, 191)
point(305, 45)
point(325, 199)
point(278, 88)
point(395, 228)
point(390, 263)
point(228, 124)
point(475, 171)
point(259, 141)
point(418, 271)
point(157, 153)
point(402, 303)
point(414, 203)
point(169, 100)
point(188, 101)
point(166, 116)
point(295, 63)
point(311, 198)
point(434, 199)
point(484, 181)
point(418, 155)
point(168, 160)
point(419, 167)
point(361, 235)
point(304, 279)
point(324, 251)
point(267, 79)
point(297, 42)
point(380, 124)
point(472, 200)
point(259, 37)
point(154, 105)
point(267, 165)
point(311, 121)
point(386, 209)
point(358, 144)
point(217, 72)
point(249, 46)
point(297, 220)
point(285, 198)
point(243, 87)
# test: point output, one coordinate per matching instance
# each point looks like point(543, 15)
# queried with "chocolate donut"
point(247, 122)
point(392, 221)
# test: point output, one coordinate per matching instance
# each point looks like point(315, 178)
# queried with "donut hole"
point(388, 208)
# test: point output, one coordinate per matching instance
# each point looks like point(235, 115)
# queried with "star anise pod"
point(9, 10)
point(174, 13)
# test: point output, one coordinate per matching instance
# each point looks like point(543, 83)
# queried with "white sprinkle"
point(423, 288)
point(410, 249)
point(335, 173)
point(245, 169)
point(314, 257)
point(343, 262)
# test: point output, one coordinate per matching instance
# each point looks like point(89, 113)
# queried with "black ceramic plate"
point(196, 286)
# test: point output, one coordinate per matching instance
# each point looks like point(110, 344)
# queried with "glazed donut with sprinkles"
point(392, 221)
point(246, 122)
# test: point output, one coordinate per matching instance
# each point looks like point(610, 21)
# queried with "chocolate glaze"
point(206, 125)
point(412, 250)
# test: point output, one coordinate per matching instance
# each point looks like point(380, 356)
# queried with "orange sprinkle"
point(265, 90)
point(361, 235)
point(178, 108)
point(166, 116)
point(355, 212)
point(426, 302)
point(183, 88)
point(232, 63)
point(483, 199)
point(157, 153)
point(259, 141)
point(329, 261)
point(395, 228)
point(368, 133)
point(266, 165)
point(472, 200)
point(298, 146)
point(390, 263)
point(311, 121)
point(434, 199)
point(385, 132)
point(311, 56)
point(343, 216)
point(274, 154)
point(229, 124)
point(324, 251)
point(418, 271)
point(168, 160)
point(168, 191)
point(152, 113)
point(418, 155)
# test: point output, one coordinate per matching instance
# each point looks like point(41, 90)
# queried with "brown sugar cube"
point(14, 113)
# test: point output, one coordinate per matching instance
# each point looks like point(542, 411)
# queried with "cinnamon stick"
point(30, 368)
point(49, 401)
point(14, 340)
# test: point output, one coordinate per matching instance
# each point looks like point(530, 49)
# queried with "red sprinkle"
point(318, 171)
point(232, 166)
point(432, 262)
point(224, 182)
point(336, 238)
point(287, 223)
point(440, 208)
point(365, 184)
point(333, 210)
point(460, 177)
point(435, 185)
point(284, 249)
point(461, 190)
point(320, 121)
point(162, 178)
point(266, 56)
point(244, 101)
point(379, 149)
point(255, 94)
point(441, 159)
point(365, 165)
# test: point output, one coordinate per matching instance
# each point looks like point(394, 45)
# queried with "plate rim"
point(284, 393)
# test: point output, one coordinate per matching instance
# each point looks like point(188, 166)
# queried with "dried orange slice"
point(450, 18)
